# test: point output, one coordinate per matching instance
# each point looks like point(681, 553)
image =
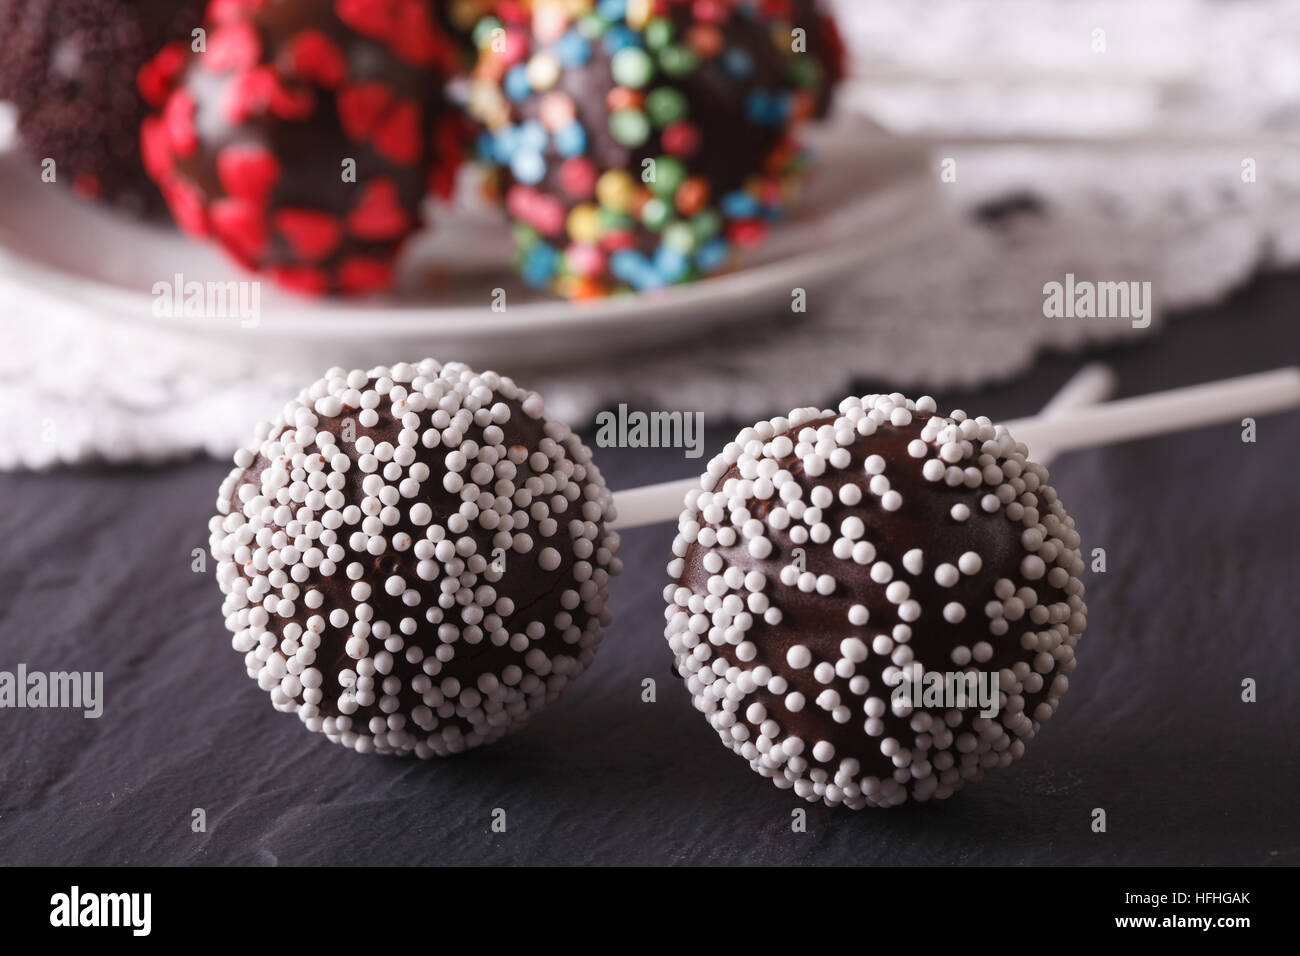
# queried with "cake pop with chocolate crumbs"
point(414, 559)
point(69, 67)
point(636, 144)
point(876, 603)
point(306, 135)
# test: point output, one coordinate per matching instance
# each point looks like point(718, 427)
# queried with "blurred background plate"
point(868, 192)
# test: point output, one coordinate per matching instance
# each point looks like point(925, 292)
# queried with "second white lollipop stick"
point(1066, 429)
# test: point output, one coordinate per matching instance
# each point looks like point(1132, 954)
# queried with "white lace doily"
point(963, 306)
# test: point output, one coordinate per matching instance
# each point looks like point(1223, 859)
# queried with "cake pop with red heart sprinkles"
point(306, 134)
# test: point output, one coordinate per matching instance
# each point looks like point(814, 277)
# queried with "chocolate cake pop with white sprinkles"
point(834, 563)
point(415, 559)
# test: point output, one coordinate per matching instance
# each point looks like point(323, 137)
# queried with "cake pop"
point(414, 559)
point(845, 583)
point(637, 143)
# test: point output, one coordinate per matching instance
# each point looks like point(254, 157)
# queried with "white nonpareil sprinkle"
point(812, 709)
point(414, 559)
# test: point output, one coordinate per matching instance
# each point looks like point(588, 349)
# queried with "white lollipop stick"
point(1091, 384)
point(1161, 413)
point(654, 503)
point(649, 505)
point(1147, 139)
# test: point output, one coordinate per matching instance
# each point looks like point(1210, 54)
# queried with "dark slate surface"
point(1201, 535)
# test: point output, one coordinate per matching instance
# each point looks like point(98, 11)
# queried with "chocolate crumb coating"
point(306, 136)
point(415, 559)
point(834, 560)
point(70, 67)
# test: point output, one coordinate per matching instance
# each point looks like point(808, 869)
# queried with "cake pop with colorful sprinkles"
point(637, 143)
point(414, 559)
point(306, 135)
point(876, 603)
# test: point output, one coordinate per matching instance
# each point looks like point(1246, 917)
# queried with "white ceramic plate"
point(867, 194)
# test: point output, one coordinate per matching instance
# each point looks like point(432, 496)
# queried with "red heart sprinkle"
point(361, 106)
point(370, 18)
point(241, 227)
point(178, 118)
point(155, 149)
point(311, 234)
point(397, 137)
point(301, 279)
point(294, 103)
point(233, 47)
point(248, 172)
point(228, 11)
point(378, 214)
point(249, 94)
point(314, 56)
point(157, 78)
point(415, 38)
point(359, 276)
point(186, 204)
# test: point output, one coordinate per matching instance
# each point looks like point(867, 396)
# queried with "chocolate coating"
point(874, 588)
